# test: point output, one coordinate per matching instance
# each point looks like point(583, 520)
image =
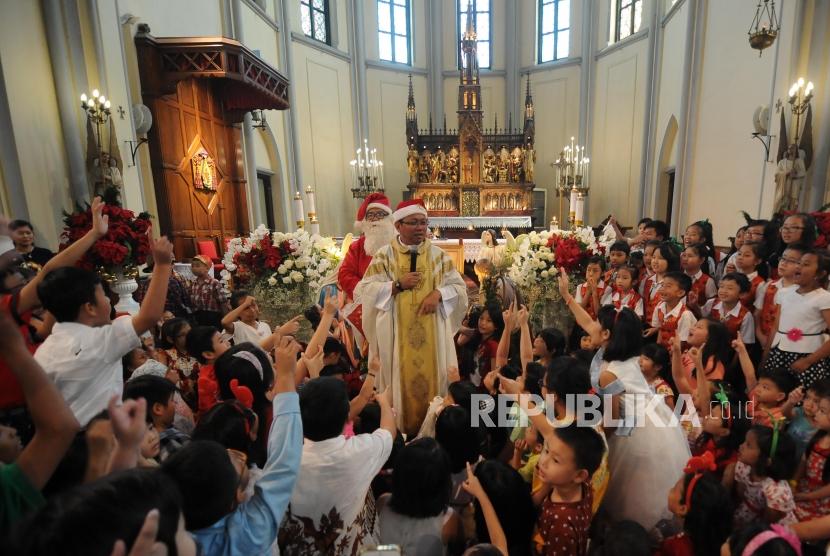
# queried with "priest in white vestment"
point(413, 302)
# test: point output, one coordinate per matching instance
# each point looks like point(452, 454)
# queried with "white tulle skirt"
point(644, 467)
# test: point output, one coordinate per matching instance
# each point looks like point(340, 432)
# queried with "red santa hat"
point(407, 208)
point(373, 200)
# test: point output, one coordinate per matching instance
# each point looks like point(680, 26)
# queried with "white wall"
point(725, 173)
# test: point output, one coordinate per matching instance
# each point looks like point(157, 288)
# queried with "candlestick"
point(314, 225)
point(554, 224)
point(580, 210)
point(298, 209)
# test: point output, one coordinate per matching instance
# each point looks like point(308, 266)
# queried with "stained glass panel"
point(305, 17)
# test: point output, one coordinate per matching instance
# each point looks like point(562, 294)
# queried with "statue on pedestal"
point(504, 165)
point(106, 178)
point(412, 165)
point(452, 166)
point(789, 179)
point(529, 162)
point(516, 163)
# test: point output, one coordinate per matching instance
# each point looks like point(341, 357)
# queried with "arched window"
point(394, 28)
point(628, 18)
point(554, 26)
point(314, 16)
point(481, 12)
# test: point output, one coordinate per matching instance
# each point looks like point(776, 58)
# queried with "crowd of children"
point(194, 427)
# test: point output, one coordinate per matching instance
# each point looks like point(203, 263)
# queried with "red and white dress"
point(703, 286)
point(582, 293)
point(749, 298)
point(618, 299)
point(806, 510)
point(738, 319)
point(678, 320)
point(757, 496)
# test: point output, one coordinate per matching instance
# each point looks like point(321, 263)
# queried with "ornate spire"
point(470, 32)
point(528, 100)
point(410, 104)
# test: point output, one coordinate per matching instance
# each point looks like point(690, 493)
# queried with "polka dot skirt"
point(781, 360)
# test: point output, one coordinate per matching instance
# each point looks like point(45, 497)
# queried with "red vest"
point(699, 287)
point(668, 326)
point(768, 310)
point(633, 298)
point(748, 298)
point(650, 301)
point(590, 309)
point(731, 322)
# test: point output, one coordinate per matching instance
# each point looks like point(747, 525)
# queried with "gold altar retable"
point(472, 171)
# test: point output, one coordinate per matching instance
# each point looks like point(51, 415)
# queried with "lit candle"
point(298, 209)
point(353, 163)
point(580, 209)
point(312, 205)
point(83, 98)
point(554, 224)
point(380, 164)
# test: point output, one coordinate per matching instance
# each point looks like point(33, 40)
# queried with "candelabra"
point(799, 99)
point(97, 109)
point(572, 181)
point(367, 172)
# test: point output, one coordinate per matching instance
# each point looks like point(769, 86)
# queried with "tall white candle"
point(298, 207)
point(312, 204)
point(572, 209)
point(381, 175)
point(580, 209)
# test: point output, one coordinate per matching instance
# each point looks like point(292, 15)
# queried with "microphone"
point(413, 257)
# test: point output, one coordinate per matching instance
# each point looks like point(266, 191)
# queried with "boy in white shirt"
point(83, 354)
point(243, 320)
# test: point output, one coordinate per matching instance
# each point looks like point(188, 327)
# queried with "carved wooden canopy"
point(245, 82)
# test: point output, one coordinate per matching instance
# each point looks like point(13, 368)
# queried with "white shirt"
point(334, 479)
point(685, 321)
point(246, 333)
point(747, 328)
point(801, 311)
point(84, 362)
point(762, 292)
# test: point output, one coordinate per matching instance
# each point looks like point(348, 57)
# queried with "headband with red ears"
point(698, 465)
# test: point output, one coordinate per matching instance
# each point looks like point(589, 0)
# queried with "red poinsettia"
point(568, 252)
point(126, 242)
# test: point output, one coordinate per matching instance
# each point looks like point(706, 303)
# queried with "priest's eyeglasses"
point(415, 223)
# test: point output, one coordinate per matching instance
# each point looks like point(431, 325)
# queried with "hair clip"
point(698, 465)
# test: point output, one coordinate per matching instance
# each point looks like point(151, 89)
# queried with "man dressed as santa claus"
point(374, 220)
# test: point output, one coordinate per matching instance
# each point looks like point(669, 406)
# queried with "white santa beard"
point(377, 235)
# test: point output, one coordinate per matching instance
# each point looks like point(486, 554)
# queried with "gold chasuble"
point(414, 350)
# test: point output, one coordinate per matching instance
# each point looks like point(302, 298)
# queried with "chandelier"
point(572, 182)
point(764, 27)
point(367, 172)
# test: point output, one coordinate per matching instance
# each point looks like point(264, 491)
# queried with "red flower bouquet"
point(125, 245)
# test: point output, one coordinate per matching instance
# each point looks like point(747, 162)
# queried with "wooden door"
point(192, 142)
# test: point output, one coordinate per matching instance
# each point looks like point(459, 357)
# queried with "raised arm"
point(539, 420)
point(503, 351)
point(746, 363)
point(525, 342)
point(152, 307)
point(387, 417)
point(494, 529)
point(67, 257)
point(55, 425)
point(290, 328)
point(678, 373)
point(326, 318)
point(233, 316)
point(582, 317)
